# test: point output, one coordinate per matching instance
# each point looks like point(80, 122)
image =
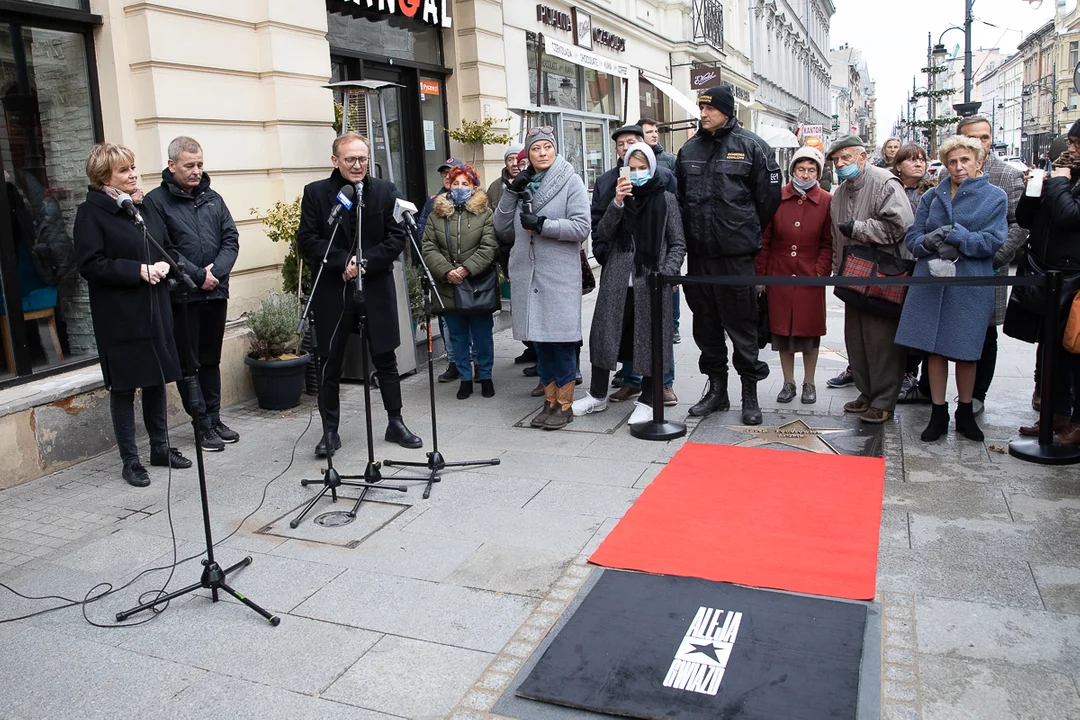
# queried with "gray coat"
point(606, 333)
point(545, 268)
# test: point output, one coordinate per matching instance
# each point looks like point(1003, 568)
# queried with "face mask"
point(639, 177)
point(460, 195)
point(848, 171)
point(803, 186)
point(942, 268)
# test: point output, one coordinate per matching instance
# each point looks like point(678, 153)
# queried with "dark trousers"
point(202, 337)
point(386, 372)
point(122, 405)
point(556, 362)
point(731, 309)
point(1066, 382)
point(984, 369)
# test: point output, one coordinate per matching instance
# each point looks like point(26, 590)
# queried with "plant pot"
point(278, 383)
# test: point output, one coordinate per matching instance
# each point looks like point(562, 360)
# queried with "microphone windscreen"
point(123, 198)
point(348, 191)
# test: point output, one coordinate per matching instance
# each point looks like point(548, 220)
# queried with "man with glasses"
point(337, 314)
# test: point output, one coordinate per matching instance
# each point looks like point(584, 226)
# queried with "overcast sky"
point(892, 36)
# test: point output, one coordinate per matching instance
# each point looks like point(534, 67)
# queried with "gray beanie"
point(514, 149)
point(530, 139)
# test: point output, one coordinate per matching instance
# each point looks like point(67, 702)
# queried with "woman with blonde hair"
point(959, 226)
point(129, 302)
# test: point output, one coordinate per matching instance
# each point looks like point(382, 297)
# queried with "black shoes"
point(715, 398)
point(136, 474)
point(965, 422)
point(223, 431)
point(939, 423)
point(526, 358)
point(211, 442)
point(450, 375)
point(487, 388)
point(530, 371)
point(335, 443)
point(396, 432)
point(464, 390)
point(751, 411)
point(166, 457)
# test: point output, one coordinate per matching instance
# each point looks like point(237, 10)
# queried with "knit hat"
point(450, 163)
point(804, 153)
point(1074, 131)
point(646, 150)
point(541, 135)
point(845, 141)
point(514, 149)
point(720, 97)
point(521, 155)
point(632, 129)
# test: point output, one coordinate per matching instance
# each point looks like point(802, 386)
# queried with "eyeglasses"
point(1074, 143)
point(546, 129)
point(354, 161)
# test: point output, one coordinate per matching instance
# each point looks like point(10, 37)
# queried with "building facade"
point(851, 95)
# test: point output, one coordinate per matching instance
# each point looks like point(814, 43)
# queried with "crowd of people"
point(720, 205)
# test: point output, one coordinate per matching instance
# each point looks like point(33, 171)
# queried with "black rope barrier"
point(1042, 450)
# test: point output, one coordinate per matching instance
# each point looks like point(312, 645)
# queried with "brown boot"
point(564, 411)
point(1060, 423)
point(1069, 436)
point(549, 406)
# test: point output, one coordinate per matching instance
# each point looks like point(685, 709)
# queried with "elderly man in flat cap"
point(869, 208)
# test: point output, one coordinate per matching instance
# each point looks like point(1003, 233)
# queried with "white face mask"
point(942, 268)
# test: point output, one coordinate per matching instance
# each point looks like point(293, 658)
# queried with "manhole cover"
point(333, 519)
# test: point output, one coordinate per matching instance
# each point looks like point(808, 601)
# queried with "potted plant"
point(277, 366)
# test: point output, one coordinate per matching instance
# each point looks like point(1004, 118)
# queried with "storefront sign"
point(611, 40)
point(704, 77)
point(554, 18)
point(742, 93)
point(429, 87)
point(579, 23)
point(584, 58)
point(806, 130)
point(583, 29)
point(432, 12)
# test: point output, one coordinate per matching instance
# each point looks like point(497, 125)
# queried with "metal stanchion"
point(657, 428)
point(1044, 450)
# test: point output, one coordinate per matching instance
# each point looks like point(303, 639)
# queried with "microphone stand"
point(435, 462)
point(331, 479)
point(213, 577)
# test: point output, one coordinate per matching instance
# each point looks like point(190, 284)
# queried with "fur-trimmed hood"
point(477, 204)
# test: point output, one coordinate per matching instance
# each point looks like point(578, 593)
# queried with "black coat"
point(133, 322)
point(382, 241)
point(729, 190)
point(602, 195)
point(202, 232)
point(1054, 222)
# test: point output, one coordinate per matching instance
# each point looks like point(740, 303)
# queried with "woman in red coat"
point(798, 242)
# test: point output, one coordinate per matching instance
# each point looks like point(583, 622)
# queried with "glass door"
point(595, 152)
point(572, 146)
point(584, 145)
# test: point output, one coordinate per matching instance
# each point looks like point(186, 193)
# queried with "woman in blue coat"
point(959, 226)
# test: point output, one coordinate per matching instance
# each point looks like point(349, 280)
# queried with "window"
point(570, 86)
point(1074, 53)
point(1072, 100)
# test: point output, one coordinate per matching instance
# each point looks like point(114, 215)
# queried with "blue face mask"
point(460, 195)
point(640, 177)
point(848, 171)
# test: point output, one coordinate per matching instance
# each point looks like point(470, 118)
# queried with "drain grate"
point(333, 519)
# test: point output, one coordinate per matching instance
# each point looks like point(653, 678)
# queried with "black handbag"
point(475, 294)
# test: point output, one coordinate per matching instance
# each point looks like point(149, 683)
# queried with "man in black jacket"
point(337, 315)
point(203, 232)
point(729, 190)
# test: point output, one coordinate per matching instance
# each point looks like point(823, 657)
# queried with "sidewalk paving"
point(427, 608)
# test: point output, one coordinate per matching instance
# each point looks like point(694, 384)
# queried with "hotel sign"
point(430, 12)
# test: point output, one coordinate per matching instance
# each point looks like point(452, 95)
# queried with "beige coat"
point(876, 201)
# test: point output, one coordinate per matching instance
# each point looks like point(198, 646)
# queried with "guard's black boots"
point(715, 398)
point(751, 411)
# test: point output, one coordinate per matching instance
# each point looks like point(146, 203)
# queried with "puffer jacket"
point(729, 190)
point(471, 242)
point(664, 159)
point(202, 232)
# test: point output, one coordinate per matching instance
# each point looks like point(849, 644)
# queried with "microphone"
point(344, 202)
point(125, 202)
point(404, 211)
point(360, 193)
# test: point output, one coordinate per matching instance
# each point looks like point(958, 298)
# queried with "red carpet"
point(795, 521)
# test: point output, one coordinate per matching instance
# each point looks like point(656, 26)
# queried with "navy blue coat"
point(952, 321)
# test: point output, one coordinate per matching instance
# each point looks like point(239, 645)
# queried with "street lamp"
point(939, 51)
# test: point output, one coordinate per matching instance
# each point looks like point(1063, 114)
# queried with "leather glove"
point(934, 239)
point(532, 222)
point(521, 180)
point(948, 252)
point(847, 228)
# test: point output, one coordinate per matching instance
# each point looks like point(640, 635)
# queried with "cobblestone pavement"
point(427, 608)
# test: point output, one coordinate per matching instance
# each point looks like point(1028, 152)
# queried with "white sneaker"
point(589, 404)
point(642, 414)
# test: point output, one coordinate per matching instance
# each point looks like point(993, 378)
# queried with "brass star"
point(795, 434)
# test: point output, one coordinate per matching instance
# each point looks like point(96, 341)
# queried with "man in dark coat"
point(651, 129)
point(337, 314)
point(203, 232)
point(729, 190)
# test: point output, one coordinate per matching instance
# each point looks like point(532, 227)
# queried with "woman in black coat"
point(129, 301)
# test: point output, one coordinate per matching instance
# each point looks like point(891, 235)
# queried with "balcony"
point(708, 19)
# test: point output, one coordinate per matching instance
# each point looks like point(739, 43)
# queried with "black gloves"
point(847, 228)
point(935, 239)
point(521, 180)
point(532, 222)
point(948, 252)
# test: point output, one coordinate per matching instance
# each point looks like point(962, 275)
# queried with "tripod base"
point(213, 579)
point(1052, 454)
point(332, 480)
point(653, 430)
point(435, 464)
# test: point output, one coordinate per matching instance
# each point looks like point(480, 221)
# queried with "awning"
point(690, 106)
point(778, 137)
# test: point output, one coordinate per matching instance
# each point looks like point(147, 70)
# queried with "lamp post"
point(967, 107)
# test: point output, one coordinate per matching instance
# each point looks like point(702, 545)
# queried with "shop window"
point(570, 86)
point(46, 129)
point(68, 4)
point(434, 120)
point(395, 37)
point(650, 101)
point(603, 93)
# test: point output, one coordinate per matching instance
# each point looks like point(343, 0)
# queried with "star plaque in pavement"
point(707, 649)
point(795, 434)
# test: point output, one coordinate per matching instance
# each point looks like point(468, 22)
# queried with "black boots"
point(396, 432)
point(464, 390)
point(965, 421)
point(751, 411)
point(715, 398)
point(334, 440)
point(939, 422)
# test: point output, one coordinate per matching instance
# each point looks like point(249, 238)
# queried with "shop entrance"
point(585, 145)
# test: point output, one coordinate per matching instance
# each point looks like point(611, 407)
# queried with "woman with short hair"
point(959, 226)
point(130, 305)
point(889, 148)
